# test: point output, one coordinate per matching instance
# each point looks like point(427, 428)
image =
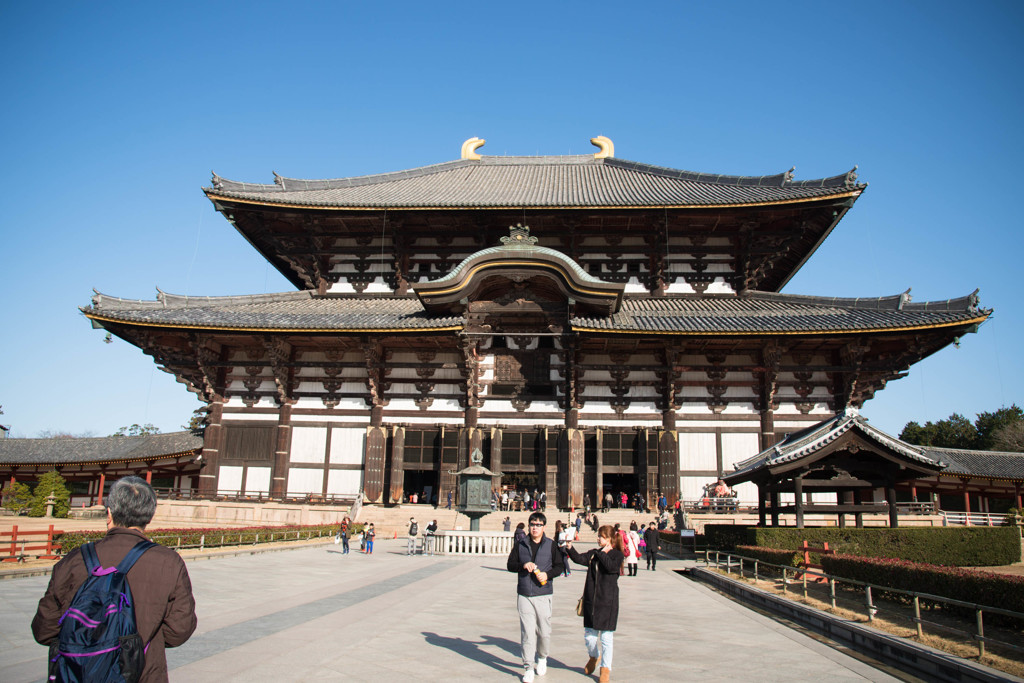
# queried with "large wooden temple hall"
point(590, 324)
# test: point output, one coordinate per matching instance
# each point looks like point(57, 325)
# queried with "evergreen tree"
point(989, 424)
point(16, 497)
point(51, 482)
point(954, 432)
point(137, 430)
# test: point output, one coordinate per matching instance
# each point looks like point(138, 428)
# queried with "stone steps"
point(390, 521)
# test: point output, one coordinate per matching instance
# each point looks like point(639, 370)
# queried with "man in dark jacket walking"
point(652, 539)
point(537, 561)
point(165, 611)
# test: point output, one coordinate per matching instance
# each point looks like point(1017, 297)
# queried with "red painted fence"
point(19, 546)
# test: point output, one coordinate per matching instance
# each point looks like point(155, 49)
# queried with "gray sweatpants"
point(535, 627)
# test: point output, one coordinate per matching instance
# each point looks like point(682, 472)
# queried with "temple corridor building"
point(591, 324)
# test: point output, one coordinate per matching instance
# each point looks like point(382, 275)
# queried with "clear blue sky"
point(115, 113)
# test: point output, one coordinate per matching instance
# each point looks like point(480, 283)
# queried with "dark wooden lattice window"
point(249, 443)
point(450, 446)
point(619, 450)
point(552, 446)
point(520, 448)
point(421, 446)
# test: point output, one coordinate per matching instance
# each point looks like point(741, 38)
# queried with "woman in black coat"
point(600, 597)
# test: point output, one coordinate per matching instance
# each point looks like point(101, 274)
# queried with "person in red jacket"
point(165, 611)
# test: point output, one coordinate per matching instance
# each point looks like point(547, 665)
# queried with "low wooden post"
point(917, 616)
point(981, 634)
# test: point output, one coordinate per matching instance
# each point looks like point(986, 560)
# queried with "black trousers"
point(652, 558)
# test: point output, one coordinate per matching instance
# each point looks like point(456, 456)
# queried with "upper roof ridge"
point(285, 184)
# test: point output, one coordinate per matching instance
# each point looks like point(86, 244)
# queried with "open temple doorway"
point(423, 483)
point(617, 484)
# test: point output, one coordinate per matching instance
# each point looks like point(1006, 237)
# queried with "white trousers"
point(535, 626)
point(591, 636)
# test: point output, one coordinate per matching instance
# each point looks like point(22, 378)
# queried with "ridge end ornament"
point(470, 146)
point(607, 147)
point(519, 236)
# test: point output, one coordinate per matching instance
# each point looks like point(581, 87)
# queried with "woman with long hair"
point(632, 549)
point(600, 598)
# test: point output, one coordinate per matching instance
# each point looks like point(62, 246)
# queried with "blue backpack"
point(98, 640)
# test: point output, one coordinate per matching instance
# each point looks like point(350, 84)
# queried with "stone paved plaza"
point(315, 614)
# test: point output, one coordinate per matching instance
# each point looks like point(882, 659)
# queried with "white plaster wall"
point(738, 447)
point(525, 421)
point(697, 451)
point(302, 481)
point(691, 488)
point(347, 445)
point(615, 422)
point(257, 480)
point(344, 482)
point(229, 479)
point(309, 444)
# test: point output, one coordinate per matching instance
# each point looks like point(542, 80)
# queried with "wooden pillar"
point(373, 461)
point(282, 452)
point(762, 511)
point(858, 516)
point(495, 465)
point(767, 436)
point(668, 459)
point(913, 493)
point(397, 465)
point(149, 473)
point(967, 504)
point(890, 497)
point(773, 497)
point(213, 438)
point(599, 469)
point(570, 468)
point(1016, 490)
point(798, 500)
point(103, 483)
point(643, 460)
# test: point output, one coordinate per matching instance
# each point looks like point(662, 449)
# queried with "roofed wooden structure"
point(589, 323)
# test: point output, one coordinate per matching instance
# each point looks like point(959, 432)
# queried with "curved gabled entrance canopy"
point(519, 264)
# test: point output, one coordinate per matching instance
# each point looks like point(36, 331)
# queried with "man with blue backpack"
point(113, 606)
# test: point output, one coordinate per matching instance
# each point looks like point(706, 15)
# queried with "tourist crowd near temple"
point(590, 324)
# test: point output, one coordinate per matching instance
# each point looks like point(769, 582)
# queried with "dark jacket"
point(601, 590)
point(653, 540)
point(544, 555)
point(165, 611)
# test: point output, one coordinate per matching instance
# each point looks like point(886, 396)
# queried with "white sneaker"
point(542, 666)
point(528, 675)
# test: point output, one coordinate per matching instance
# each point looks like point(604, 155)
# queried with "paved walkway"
point(314, 614)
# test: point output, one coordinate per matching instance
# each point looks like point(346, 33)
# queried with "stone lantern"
point(474, 484)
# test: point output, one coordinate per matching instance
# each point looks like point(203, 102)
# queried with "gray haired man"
point(165, 611)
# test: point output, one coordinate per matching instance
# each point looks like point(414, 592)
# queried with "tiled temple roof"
point(542, 181)
point(948, 461)
point(808, 441)
point(748, 313)
point(97, 449)
point(995, 464)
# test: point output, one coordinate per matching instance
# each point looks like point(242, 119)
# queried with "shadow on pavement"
point(475, 650)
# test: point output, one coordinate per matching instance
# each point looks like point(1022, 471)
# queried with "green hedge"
point(212, 537)
point(951, 546)
point(983, 588)
point(787, 558)
point(728, 536)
